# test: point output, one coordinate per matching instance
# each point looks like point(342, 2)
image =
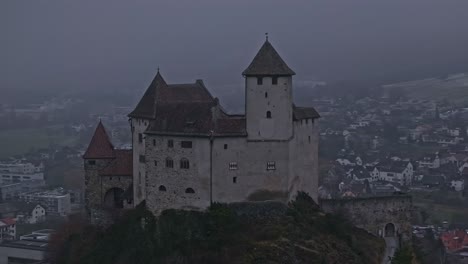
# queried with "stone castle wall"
point(374, 213)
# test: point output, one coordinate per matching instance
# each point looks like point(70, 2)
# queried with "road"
point(390, 248)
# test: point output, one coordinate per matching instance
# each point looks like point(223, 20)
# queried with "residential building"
point(11, 191)
point(19, 171)
point(55, 202)
point(7, 229)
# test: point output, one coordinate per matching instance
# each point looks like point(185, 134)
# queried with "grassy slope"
point(19, 141)
point(302, 234)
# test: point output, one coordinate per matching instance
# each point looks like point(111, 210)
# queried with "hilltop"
point(265, 232)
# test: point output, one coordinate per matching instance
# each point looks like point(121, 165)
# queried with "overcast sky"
point(119, 44)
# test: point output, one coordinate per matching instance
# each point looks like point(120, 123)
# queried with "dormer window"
point(268, 114)
point(274, 80)
point(259, 80)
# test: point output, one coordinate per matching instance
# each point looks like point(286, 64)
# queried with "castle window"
point(234, 179)
point(232, 165)
point(225, 146)
point(186, 144)
point(169, 163)
point(91, 162)
point(184, 163)
point(142, 158)
point(274, 80)
point(155, 163)
point(309, 139)
point(162, 188)
point(271, 165)
point(268, 114)
point(189, 190)
point(259, 80)
point(140, 138)
point(266, 95)
point(154, 142)
point(170, 143)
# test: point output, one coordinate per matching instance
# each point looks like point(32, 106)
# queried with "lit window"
point(274, 80)
point(268, 114)
point(162, 188)
point(233, 165)
point(271, 165)
point(259, 80)
point(184, 163)
point(189, 190)
point(169, 163)
point(186, 144)
point(170, 143)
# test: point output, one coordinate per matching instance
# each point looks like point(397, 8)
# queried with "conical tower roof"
point(268, 62)
point(100, 146)
point(147, 106)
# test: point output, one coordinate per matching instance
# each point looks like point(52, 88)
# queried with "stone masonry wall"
point(374, 213)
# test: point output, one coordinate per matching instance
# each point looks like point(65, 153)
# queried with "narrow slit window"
point(234, 179)
point(266, 95)
point(268, 114)
point(225, 146)
point(154, 142)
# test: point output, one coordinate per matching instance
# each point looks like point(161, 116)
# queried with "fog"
point(118, 44)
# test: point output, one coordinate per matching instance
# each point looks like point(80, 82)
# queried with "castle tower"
point(108, 175)
point(98, 156)
point(268, 92)
point(140, 117)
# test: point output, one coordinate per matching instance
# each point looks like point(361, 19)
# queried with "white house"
point(30, 213)
point(457, 185)
point(7, 229)
point(396, 171)
point(430, 161)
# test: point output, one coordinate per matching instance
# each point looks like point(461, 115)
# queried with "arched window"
point(169, 163)
point(184, 163)
point(268, 114)
point(162, 188)
point(189, 190)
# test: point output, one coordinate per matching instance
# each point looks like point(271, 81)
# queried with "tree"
point(403, 255)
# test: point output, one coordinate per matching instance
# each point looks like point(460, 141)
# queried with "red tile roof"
point(8, 221)
point(100, 145)
point(122, 165)
point(455, 239)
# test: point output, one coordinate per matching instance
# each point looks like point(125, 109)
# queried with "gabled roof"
point(268, 62)
point(100, 146)
point(304, 113)
point(8, 221)
point(196, 118)
point(159, 92)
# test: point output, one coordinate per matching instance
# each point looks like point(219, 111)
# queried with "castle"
point(188, 152)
